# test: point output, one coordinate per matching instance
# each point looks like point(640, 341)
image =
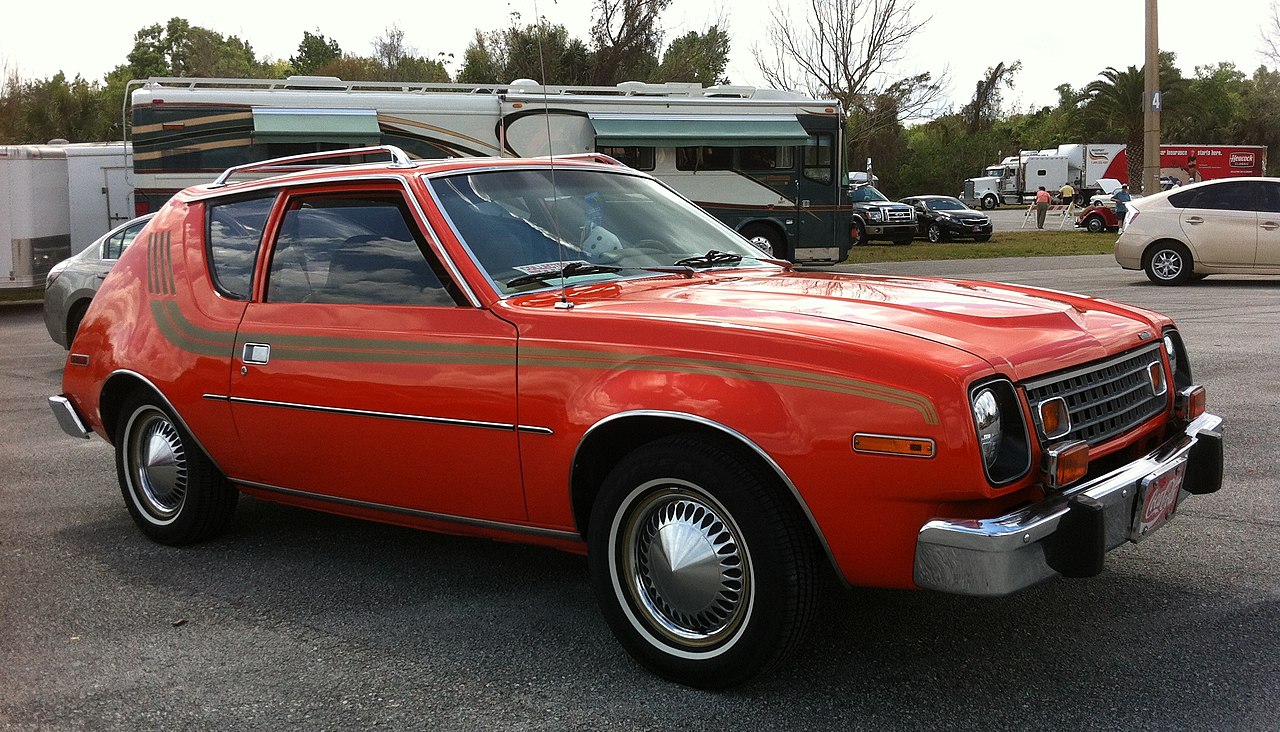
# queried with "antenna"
point(563, 303)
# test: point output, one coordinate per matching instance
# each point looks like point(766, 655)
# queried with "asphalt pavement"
point(301, 620)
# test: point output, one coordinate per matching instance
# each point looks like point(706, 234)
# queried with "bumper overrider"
point(1068, 534)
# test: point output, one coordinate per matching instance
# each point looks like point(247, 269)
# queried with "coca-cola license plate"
point(1157, 499)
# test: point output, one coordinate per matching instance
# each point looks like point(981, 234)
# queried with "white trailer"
point(35, 217)
point(55, 200)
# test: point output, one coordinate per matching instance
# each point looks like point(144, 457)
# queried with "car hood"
point(1021, 331)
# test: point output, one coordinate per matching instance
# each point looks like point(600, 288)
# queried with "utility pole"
point(1152, 101)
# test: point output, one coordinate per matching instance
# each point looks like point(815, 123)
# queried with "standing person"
point(1042, 206)
point(1193, 169)
point(1122, 198)
point(1066, 194)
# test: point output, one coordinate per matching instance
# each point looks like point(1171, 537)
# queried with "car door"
point(1221, 225)
point(362, 376)
point(1268, 255)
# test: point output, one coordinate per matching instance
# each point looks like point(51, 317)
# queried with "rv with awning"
point(767, 163)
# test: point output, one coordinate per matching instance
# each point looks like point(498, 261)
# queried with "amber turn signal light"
point(1190, 403)
point(892, 445)
point(1055, 418)
point(1065, 463)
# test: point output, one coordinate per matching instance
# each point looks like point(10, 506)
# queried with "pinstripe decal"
point(305, 348)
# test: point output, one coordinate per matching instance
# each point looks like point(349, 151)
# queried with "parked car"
point(72, 283)
point(1223, 226)
point(876, 218)
point(1097, 219)
point(566, 353)
point(939, 218)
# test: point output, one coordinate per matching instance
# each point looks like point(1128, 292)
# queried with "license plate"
point(1157, 500)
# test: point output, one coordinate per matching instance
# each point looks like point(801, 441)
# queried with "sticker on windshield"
point(547, 267)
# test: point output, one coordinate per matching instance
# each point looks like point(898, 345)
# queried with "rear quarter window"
point(234, 237)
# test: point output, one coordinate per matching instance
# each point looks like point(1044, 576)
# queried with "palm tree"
point(1115, 103)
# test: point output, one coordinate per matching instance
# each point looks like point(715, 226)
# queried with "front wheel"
point(859, 234)
point(173, 491)
point(1168, 263)
point(989, 202)
point(1095, 225)
point(701, 567)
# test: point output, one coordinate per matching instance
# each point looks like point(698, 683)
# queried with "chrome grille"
point(898, 215)
point(1106, 398)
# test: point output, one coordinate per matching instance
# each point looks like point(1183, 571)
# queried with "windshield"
point(866, 194)
point(996, 172)
point(946, 204)
point(523, 231)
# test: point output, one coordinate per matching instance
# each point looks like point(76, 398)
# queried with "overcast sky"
point(1057, 42)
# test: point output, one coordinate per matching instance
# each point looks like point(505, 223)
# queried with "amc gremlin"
point(565, 352)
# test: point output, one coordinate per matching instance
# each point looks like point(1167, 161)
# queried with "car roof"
point(1164, 195)
point(401, 167)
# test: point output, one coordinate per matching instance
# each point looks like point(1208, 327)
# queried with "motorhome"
point(767, 163)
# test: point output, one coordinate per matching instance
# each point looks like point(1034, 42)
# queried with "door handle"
point(1194, 220)
point(1269, 225)
point(257, 354)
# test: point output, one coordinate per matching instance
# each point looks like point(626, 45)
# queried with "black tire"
point(1095, 225)
point(989, 202)
point(859, 234)
point(74, 318)
point(1168, 263)
point(934, 234)
point(766, 238)
point(172, 489)
point(734, 614)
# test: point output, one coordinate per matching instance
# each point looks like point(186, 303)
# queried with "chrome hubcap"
point(1166, 264)
point(686, 566)
point(158, 466)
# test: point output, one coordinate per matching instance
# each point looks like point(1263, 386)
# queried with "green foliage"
point(1039, 243)
point(314, 51)
point(696, 57)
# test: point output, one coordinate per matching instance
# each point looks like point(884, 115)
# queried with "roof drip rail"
point(590, 157)
point(399, 159)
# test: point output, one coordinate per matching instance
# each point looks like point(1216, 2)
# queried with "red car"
point(1097, 219)
point(567, 353)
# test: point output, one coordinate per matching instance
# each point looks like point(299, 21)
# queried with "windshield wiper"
point(710, 259)
point(569, 270)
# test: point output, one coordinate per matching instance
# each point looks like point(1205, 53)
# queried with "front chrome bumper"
point(1066, 535)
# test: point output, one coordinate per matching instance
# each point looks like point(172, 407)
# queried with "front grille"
point(1106, 398)
point(898, 215)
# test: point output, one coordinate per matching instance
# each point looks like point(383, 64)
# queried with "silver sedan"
point(73, 282)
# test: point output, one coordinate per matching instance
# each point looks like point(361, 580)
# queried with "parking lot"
point(300, 620)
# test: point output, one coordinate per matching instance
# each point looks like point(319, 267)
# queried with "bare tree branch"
point(1271, 36)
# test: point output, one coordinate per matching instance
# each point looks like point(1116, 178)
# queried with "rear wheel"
point(702, 568)
point(1168, 263)
point(74, 318)
point(172, 489)
point(934, 233)
point(1095, 225)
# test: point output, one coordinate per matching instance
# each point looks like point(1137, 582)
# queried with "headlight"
point(986, 417)
point(1171, 351)
point(1003, 437)
point(875, 214)
point(1178, 361)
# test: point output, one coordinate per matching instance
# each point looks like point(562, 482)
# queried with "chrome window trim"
point(289, 186)
point(401, 416)
point(415, 513)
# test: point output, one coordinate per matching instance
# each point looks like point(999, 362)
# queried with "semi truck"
point(55, 199)
point(1017, 177)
